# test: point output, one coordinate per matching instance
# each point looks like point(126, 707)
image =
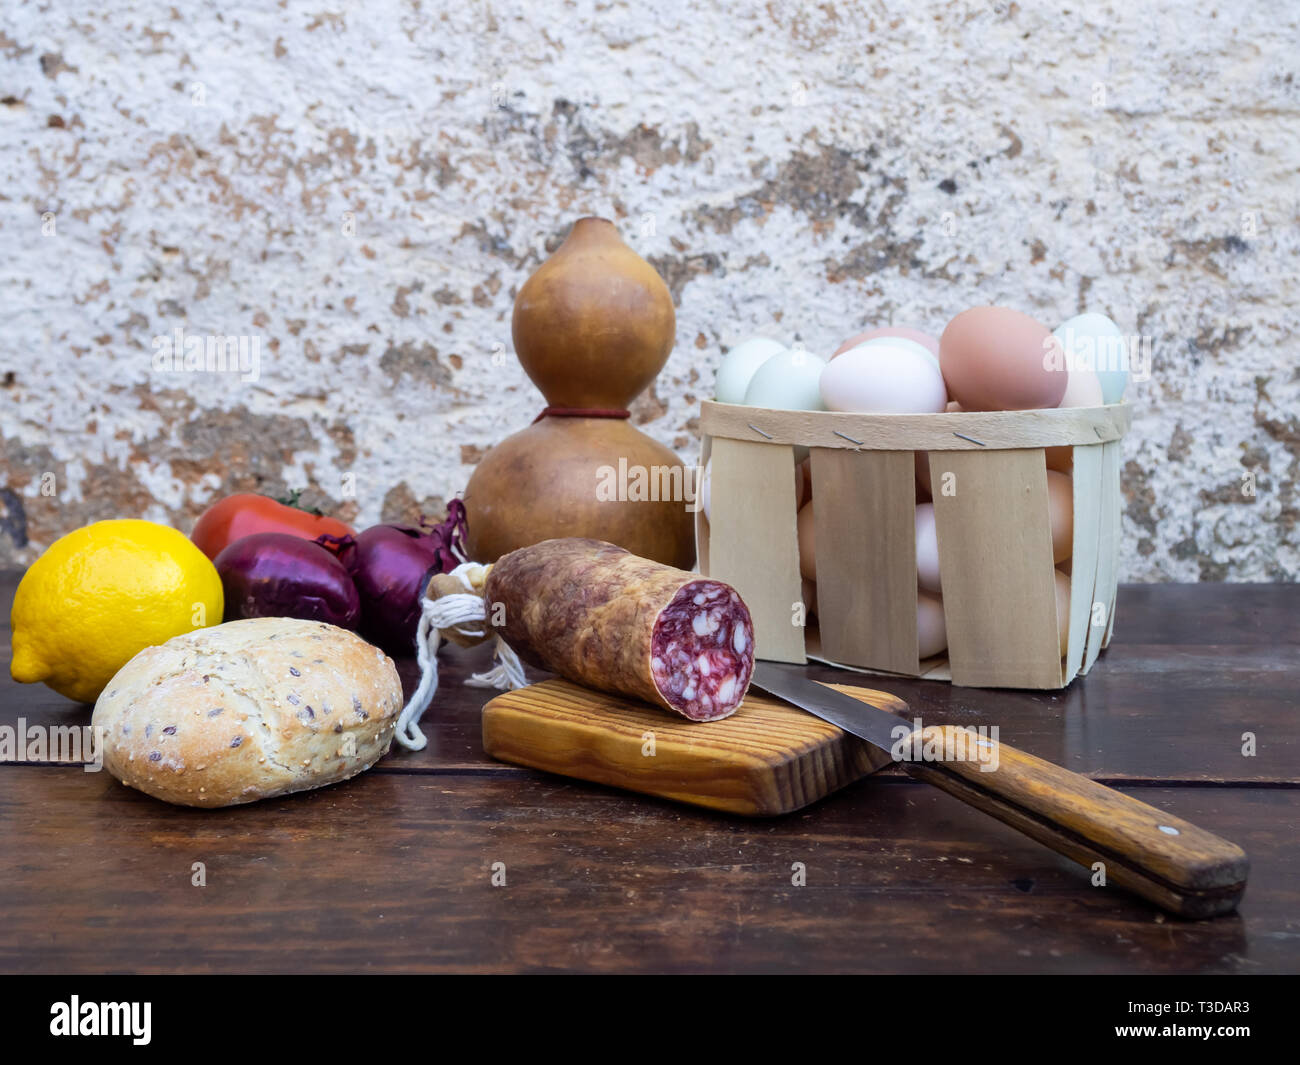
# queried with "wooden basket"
point(995, 543)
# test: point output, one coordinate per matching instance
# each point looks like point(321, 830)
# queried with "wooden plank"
point(1107, 552)
point(864, 515)
point(993, 430)
point(1220, 653)
point(896, 877)
point(1086, 479)
point(768, 758)
point(753, 543)
point(995, 554)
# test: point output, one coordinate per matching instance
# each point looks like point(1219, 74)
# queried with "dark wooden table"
point(393, 870)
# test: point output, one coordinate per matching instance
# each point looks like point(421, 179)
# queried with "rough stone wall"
point(363, 188)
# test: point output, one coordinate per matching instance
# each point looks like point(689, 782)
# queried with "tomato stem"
point(294, 499)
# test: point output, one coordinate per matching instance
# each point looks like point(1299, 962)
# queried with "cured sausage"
point(603, 617)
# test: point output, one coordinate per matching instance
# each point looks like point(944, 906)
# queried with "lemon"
point(102, 593)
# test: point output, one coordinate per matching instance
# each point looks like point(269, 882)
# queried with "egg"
point(927, 549)
point(803, 482)
point(1062, 610)
point(1060, 458)
point(807, 545)
point(1082, 389)
point(883, 377)
point(931, 628)
point(995, 358)
point(740, 364)
point(1060, 509)
point(706, 490)
point(903, 332)
point(808, 592)
point(787, 380)
point(1095, 343)
point(923, 491)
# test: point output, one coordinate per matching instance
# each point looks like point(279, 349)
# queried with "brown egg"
point(992, 358)
point(1060, 458)
point(807, 546)
point(805, 481)
point(1060, 508)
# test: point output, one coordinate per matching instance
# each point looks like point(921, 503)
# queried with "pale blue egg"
point(1093, 342)
point(789, 380)
point(740, 364)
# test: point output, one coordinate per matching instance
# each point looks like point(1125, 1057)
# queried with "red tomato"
point(241, 515)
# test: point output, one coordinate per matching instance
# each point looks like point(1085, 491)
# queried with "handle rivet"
point(1169, 830)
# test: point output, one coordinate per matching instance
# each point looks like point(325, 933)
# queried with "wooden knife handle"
point(1179, 867)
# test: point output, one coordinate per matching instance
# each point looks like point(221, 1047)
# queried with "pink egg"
point(924, 339)
point(993, 358)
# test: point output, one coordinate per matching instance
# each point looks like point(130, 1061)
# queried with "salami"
point(603, 617)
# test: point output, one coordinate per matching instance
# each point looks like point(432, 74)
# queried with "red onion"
point(278, 575)
point(391, 566)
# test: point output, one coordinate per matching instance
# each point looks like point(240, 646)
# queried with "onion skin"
point(391, 566)
point(279, 575)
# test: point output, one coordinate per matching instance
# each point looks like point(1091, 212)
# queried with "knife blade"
point(1171, 862)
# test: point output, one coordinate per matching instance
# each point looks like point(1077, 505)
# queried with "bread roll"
point(248, 710)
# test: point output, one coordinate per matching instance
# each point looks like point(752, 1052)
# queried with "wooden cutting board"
point(766, 759)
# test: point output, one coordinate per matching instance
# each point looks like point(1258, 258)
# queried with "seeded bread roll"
point(248, 710)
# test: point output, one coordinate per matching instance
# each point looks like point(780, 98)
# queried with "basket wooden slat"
point(992, 520)
point(1083, 565)
point(865, 543)
point(753, 545)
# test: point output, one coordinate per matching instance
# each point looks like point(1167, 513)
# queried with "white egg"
point(927, 549)
point(1082, 390)
point(904, 342)
point(740, 364)
point(1093, 342)
point(884, 377)
point(787, 381)
point(931, 628)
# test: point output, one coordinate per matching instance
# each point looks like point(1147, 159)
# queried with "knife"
point(1179, 867)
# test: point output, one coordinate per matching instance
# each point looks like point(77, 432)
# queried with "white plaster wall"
point(800, 170)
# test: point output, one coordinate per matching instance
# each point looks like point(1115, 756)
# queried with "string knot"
point(453, 607)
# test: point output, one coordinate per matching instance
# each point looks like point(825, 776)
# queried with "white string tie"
point(464, 613)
